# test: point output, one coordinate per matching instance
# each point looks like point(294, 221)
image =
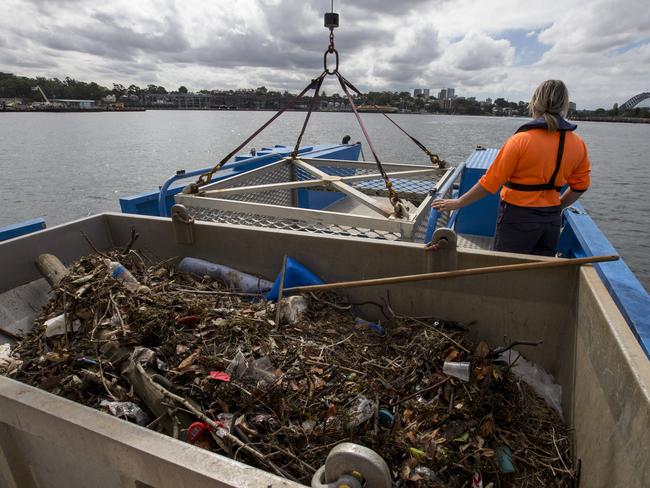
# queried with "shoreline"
point(619, 120)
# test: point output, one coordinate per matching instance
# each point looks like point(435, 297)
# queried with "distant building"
point(425, 92)
point(451, 93)
point(488, 101)
point(417, 92)
point(446, 94)
point(442, 94)
point(572, 107)
point(79, 104)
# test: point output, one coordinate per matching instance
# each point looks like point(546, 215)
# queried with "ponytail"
point(550, 99)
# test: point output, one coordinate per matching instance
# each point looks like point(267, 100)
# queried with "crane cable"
point(331, 21)
point(435, 159)
point(205, 178)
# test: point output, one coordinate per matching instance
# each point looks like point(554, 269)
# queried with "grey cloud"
point(106, 37)
point(384, 7)
point(477, 52)
point(26, 60)
point(412, 59)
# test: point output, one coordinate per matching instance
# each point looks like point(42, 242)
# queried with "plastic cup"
point(457, 370)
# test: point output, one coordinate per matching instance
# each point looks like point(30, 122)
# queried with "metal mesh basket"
point(268, 197)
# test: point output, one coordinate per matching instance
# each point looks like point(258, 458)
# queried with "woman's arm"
point(569, 197)
point(474, 195)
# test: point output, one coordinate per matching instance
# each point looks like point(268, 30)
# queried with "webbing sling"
point(550, 185)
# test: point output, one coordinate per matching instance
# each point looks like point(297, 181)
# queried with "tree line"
point(12, 86)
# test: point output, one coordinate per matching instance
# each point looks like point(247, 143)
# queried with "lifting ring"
point(336, 57)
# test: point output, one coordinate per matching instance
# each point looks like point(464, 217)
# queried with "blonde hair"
point(550, 98)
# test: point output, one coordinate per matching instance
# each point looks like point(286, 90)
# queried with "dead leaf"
point(486, 428)
point(188, 361)
point(452, 354)
point(482, 350)
point(331, 410)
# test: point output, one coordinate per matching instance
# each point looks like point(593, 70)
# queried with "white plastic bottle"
point(123, 275)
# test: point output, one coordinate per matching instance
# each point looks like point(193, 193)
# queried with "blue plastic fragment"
point(371, 325)
point(296, 274)
point(386, 418)
point(504, 458)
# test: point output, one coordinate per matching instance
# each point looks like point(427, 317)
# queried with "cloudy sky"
point(483, 48)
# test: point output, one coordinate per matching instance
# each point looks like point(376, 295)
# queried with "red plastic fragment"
point(219, 376)
point(195, 431)
point(188, 320)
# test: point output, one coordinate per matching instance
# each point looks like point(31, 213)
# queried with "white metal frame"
point(383, 218)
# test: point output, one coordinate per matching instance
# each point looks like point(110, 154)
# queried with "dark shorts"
point(528, 230)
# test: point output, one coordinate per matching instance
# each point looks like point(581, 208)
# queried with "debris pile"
point(209, 365)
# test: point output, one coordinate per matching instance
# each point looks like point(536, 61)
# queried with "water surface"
point(62, 166)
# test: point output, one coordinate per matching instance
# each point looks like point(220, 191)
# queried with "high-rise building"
point(417, 92)
point(442, 94)
point(451, 93)
point(425, 92)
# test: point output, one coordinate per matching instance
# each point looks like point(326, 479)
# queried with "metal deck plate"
point(475, 242)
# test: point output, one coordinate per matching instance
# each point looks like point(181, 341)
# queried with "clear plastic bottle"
point(123, 275)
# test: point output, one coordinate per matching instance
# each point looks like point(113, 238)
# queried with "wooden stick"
point(278, 311)
point(559, 263)
point(52, 269)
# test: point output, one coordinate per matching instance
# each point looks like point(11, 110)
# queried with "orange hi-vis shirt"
point(529, 158)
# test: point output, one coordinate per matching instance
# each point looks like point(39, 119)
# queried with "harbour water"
point(62, 166)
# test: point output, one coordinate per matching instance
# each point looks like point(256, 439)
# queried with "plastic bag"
point(8, 364)
point(293, 308)
point(362, 410)
point(126, 410)
point(539, 380)
point(261, 370)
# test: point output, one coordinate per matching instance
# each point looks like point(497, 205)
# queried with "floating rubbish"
point(362, 410)
point(219, 376)
point(295, 274)
point(477, 480)
point(196, 430)
point(364, 324)
point(386, 418)
point(504, 459)
point(232, 277)
point(57, 326)
point(126, 410)
point(260, 370)
point(143, 355)
point(296, 391)
point(124, 276)
point(8, 364)
point(539, 380)
point(457, 370)
point(87, 361)
point(293, 308)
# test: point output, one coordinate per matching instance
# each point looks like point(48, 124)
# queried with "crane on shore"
point(47, 103)
point(38, 88)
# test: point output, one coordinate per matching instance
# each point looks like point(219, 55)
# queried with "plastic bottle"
point(232, 277)
point(123, 275)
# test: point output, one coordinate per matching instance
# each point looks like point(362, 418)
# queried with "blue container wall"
point(21, 228)
point(479, 218)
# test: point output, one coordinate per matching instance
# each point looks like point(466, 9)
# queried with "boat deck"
point(469, 241)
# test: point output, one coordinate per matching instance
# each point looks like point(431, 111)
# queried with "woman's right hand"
point(446, 205)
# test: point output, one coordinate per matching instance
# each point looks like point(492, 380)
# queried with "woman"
point(533, 165)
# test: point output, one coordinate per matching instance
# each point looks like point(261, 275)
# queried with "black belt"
point(550, 185)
